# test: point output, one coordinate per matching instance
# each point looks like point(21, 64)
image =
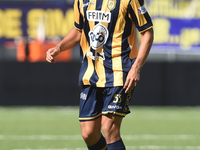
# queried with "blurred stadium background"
point(29, 27)
point(169, 79)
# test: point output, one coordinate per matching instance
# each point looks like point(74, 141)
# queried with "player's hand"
point(131, 80)
point(51, 53)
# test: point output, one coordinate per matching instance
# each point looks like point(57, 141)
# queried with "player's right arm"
point(70, 41)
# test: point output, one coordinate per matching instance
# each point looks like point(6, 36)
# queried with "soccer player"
point(110, 64)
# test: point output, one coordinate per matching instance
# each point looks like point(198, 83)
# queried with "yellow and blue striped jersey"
point(108, 43)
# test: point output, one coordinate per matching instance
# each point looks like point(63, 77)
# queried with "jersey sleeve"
point(139, 15)
point(78, 19)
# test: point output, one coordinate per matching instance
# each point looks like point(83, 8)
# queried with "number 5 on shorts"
point(118, 98)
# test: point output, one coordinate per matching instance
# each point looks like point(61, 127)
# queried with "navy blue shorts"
point(95, 102)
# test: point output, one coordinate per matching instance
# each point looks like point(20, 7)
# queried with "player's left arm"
point(134, 74)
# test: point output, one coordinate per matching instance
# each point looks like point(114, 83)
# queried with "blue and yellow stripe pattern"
point(108, 44)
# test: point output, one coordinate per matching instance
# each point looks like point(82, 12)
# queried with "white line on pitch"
point(160, 137)
point(40, 137)
point(78, 137)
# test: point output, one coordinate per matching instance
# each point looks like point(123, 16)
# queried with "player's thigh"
point(111, 127)
point(110, 120)
point(91, 127)
point(91, 131)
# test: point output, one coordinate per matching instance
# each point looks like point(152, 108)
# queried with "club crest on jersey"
point(111, 4)
point(98, 36)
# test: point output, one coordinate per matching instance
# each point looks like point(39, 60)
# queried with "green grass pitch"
point(57, 128)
